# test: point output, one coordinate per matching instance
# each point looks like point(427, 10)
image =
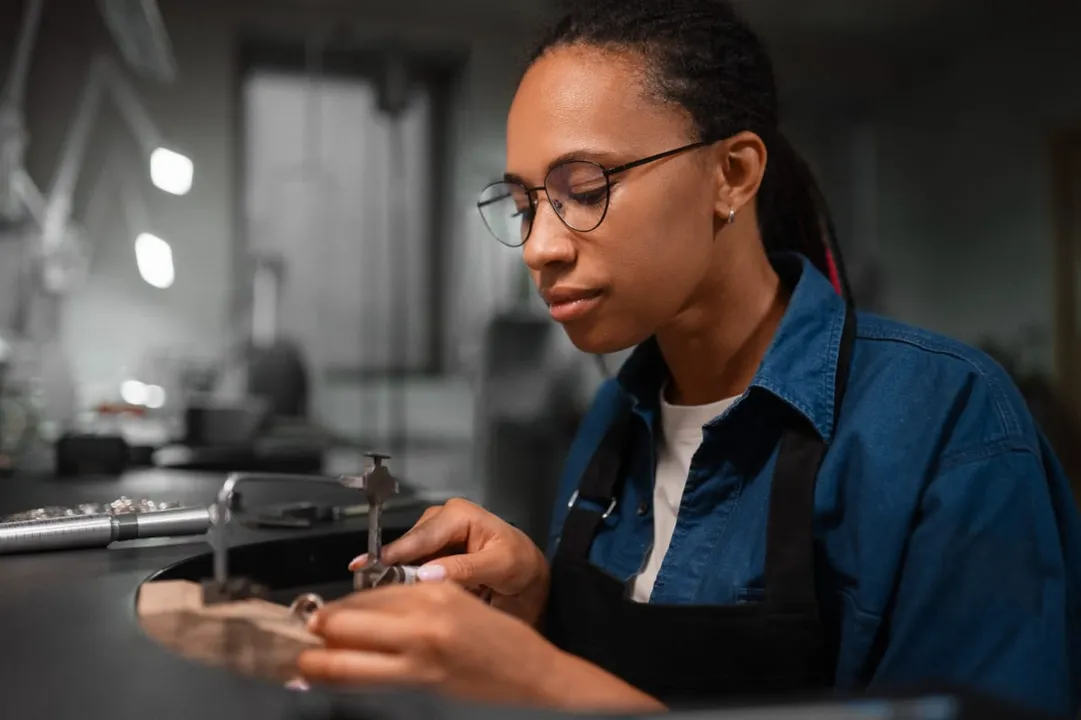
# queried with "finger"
point(427, 515)
point(355, 667)
point(358, 562)
point(369, 630)
point(424, 601)
point(429, 538)
point(490, 566)
point(361, 560)
point(461, 568)
point(389, 599)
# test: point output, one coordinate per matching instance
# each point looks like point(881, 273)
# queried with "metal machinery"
point(43, 251)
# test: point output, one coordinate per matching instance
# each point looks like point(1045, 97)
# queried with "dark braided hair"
point(703, 57)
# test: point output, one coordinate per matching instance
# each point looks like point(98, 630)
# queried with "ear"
point(741, 165)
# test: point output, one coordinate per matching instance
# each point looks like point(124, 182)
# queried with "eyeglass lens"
point(576, 190)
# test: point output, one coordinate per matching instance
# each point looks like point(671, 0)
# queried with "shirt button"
point(643, 508)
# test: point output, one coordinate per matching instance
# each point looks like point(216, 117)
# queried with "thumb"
point(429, 537)
point(485, 567)
point(461, 569)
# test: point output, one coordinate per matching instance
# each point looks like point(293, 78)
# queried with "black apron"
point(696, 655)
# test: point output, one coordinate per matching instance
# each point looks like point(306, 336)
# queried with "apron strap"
point(594, 499)
point(790, 573)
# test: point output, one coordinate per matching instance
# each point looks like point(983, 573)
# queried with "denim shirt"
point(948, 543)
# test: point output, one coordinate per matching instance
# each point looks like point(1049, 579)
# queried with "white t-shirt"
point(681, 434)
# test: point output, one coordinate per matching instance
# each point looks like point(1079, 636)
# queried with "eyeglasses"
point(578, 190)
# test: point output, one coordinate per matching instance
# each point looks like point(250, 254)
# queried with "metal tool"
point(98, 531)
point(380, 487)
point(377, 484)
point(304, 515)
point(373, 576)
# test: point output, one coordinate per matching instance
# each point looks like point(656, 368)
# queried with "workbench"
point(71, 645)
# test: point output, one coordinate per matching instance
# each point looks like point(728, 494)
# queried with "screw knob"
point(377, 457)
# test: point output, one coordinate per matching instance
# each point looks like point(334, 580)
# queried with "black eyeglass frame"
point(533, 193)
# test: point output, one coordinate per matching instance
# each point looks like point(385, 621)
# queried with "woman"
point(776, 495)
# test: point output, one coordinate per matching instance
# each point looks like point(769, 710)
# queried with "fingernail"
point(358, 561)
point(297, 684)
point(431, 573)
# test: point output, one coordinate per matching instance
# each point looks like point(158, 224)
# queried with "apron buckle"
point(604, 516)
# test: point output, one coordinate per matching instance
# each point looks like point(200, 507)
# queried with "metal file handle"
point(98, 531)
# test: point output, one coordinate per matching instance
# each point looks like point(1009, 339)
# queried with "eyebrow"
point(602, 158)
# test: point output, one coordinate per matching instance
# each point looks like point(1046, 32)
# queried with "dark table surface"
point(70, 643)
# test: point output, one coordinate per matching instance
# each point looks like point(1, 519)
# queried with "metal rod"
point(375, 534)
point(15, 90)
point(399, 302)
point(368, 577)
point(98, 531)
point(30, 194)
point(103, 75)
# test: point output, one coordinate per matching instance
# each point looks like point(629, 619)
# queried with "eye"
point(588, 196)
point(525, 205)
point(579, 182)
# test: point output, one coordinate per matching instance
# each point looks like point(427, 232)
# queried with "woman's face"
point(622, 282)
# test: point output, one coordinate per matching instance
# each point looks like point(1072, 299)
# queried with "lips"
point(560, 295)
point(566, 304)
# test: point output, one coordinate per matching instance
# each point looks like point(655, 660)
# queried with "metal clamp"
point(378, 485)
point(604, 516)
point(222, 588)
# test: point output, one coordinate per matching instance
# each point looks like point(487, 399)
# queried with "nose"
point(550, 241)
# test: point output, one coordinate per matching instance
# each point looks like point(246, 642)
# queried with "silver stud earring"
point(731, 216)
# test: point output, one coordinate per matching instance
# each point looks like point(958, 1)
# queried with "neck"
point(714, 347)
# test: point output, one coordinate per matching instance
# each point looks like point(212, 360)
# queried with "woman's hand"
point(478, 551)
point(439, 636)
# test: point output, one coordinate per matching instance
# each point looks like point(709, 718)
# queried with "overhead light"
point(171, 172)
point(155, 397)
point(154, 258)
point(133, 392)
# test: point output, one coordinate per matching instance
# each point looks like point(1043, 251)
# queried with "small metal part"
point(304, 606)
point(236, 588)
point(368, 577)
point(379, 486)
point(121, 506)
point(300, 515)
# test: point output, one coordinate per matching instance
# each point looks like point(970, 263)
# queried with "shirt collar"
point(800, 366)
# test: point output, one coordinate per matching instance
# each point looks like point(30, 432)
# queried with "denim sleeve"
point(982, 600)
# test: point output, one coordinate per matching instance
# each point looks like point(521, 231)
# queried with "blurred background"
point(242, 234)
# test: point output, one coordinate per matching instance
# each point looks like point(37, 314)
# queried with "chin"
point(599, 338)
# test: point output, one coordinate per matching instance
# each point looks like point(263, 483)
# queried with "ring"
point(305, 606)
